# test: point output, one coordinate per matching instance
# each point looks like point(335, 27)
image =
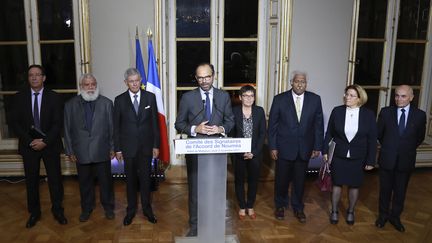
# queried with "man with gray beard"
point(88, 137)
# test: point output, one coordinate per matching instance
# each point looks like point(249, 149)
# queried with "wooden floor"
point(170, 206)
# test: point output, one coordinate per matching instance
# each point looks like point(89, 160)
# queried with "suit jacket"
point(50, 120)
point(259, 127)
point(363, 145)
point(134, 133)
point(395, 148)
point(94, 145)
point(191, 111)
point(291, 137)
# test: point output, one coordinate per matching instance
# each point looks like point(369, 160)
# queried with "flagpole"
point(149, 33)
point(136, 32)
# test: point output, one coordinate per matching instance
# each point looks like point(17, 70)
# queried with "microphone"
point(193, 119)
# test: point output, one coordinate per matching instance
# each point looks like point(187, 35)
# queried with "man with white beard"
point(88, 137)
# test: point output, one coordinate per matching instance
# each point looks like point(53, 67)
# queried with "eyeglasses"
point(245, 96)
point(35, 75)
point(350, 96)
point(206, 78)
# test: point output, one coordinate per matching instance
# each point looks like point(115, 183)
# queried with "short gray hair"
point(131, 72)
point(87, 76)
point(298, 72)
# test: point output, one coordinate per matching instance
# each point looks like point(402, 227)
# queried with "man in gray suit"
point(88, 136)
point(203, 112)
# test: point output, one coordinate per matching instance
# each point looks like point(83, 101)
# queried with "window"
point(198, 25)
point(385, 60)
point(36, 32)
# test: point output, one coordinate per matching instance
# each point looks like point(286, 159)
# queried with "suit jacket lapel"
point(342, 122)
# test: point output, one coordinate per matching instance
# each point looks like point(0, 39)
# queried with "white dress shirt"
point(351, 124)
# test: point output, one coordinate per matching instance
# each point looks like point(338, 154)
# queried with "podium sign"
point(212, 145)
point(212, 173)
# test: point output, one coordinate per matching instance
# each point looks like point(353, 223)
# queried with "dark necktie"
point(135, 104)
point(207, 106)
point(88, 115)
point(36, 111)
point(402, 122)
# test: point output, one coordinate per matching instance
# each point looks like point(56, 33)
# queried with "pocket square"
point(147, 107)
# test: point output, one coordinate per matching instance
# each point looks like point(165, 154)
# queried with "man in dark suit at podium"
point(296, 133)
point(37, 116)
point(401, 129)
point(136, 140)
point(203, 112)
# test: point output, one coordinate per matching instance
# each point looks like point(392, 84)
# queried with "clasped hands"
point(203, 128)
point(37, 144)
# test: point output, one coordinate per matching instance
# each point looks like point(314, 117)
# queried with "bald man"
point(401, 129)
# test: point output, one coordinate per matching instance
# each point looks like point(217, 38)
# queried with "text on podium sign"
point(212, 145)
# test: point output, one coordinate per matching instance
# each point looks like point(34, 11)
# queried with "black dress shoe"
point(109, 215)
point(32, 220)
point(380, 222)
point(192, 233)
point(128, 220)
point(334, 217)
point(397, 225)
point(301, 217)
point(61, 219)
point(84, 216)
point(350, 218)
point(151, 218)
point(280, 213)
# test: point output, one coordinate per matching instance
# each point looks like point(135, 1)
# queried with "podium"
point(212, 174)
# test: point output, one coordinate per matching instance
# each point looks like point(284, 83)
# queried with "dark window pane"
point(241, 18)
point(414, 102)
point(193, 18)
point(13, 67)
point(59, 63)
point(369, 57)
point(234, 95)
point(240, 63)
point(6, 129)
point(413, 19)
point(373, 98)
point(408, 64)
point(372, 18)
point(189, 55)
point(55, 19)
point(12, 21)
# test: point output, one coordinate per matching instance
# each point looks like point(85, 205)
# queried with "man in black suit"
point(38, 121)
point(295, 135)
point(136, 141)
point(401, 130)
point(88, 136)
point(203, 112)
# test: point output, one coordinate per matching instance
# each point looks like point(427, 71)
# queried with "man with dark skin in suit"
point(295, 134)
point(401, 129)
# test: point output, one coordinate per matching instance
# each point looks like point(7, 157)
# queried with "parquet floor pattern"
point(170, 206)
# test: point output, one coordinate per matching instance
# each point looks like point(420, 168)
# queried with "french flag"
point(153, 85)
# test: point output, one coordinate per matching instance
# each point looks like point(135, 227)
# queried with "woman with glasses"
point(249, 123)
point(353, 128)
